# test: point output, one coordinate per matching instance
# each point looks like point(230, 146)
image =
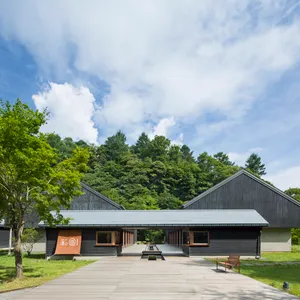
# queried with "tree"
point(63, 147)
point(213, 170)
point(255, 166)
point(159, 148)
point(29, 238)
point(223, 158)
point(116, 146)
point(187, 154)
point(141, 147)
point(32, 177)
point(168, 201)
point(294, 192)
point(174, 153)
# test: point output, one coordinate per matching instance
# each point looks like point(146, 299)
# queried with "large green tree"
point(254, 165)
point(115, 146)
point(294, 192)
point(223, 158)
point(33, 179)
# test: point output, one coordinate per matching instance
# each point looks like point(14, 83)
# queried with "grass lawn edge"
point(37, 271)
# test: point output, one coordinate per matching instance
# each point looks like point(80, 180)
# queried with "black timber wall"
point(4, 238)
point(244, 192)
point(87, 201)
point(226, 241)
point(88, 243)
point(186, 250)
point(91, 201)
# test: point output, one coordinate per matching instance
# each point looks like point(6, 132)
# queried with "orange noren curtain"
point(68, 242)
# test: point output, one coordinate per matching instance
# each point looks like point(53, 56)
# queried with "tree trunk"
point(18, 250)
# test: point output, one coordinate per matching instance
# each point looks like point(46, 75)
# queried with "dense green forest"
point(152, 174)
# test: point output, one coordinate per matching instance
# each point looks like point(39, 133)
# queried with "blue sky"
point(216, 75)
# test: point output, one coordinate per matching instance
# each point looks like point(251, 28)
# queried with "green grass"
point(36, 269)
point(296, 248)
point(276, 275)
point(277, 272)
point(274, 257)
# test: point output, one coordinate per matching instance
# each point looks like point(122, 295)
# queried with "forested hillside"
point(152, 174)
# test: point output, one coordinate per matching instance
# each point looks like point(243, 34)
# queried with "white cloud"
point(71, 111)
point(179, 140)
point(162, 59)
point(240, 157)
point(163, 126)
point(286, 178)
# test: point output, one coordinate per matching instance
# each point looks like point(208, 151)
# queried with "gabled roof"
point(242, 172)
point(163, 218)
point(102, 196)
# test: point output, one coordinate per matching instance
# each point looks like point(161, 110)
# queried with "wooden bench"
point(231, 262)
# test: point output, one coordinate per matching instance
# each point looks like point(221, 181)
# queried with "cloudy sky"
point(217, 75)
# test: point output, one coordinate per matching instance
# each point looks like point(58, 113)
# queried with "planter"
point(152, 257)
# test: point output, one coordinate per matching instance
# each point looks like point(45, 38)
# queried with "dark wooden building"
point(198, 232)
point(245, 191)
point(93, 200)
point(90, 200)
point(4, 236)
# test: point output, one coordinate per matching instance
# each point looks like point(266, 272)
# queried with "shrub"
point(29, 238)
point(296, 236)
point(151, 257)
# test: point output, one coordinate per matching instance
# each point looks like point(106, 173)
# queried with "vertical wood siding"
point(244, 192)
point(186, 250)
point(226, 241)
point(4, 238)
point(87, 201)
point(91, 201)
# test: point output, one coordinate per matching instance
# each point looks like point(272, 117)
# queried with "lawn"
point(276, 257)
point(276, 275)
point(272, 269)
point(278, 272)
point(37, 270)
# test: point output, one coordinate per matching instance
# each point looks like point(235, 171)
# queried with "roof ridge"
point(245, 172)
point(152, 210)
point(102, 196)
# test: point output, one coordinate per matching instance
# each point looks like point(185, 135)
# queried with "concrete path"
point(11, 295)
point(165, 248)
point(130, 278)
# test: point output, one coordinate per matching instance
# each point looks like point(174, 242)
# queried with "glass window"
point(104, 237)
point(201, 237)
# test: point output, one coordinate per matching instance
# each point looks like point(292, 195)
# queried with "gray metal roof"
point(163, 218)
point(215, 187)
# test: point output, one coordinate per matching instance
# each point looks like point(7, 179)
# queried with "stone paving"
point(165, 248)
point(131, 278)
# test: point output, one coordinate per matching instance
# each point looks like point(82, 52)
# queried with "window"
point(105, 238)
point(200, 238)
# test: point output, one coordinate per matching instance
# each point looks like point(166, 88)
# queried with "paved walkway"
point(165, 248)
point(130, 278)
